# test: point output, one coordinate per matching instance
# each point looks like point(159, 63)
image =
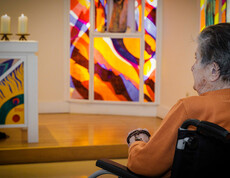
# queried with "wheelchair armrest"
point(116, 168)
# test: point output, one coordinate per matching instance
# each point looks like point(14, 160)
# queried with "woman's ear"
point(215, 71)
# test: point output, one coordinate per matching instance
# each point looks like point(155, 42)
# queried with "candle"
point(22, 24)
point(5, 24)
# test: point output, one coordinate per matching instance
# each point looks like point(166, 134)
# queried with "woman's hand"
point(138, 135)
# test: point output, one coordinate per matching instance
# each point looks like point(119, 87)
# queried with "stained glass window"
point(214, 12)
point(116, 72)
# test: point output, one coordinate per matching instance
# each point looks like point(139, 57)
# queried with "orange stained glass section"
point(116, 76)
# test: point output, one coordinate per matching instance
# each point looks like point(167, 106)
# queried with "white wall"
point(180, 29)
point(180, 25)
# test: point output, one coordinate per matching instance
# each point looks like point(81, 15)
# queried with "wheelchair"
point(200, 153)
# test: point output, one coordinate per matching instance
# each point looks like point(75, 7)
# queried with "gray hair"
point(214, 46)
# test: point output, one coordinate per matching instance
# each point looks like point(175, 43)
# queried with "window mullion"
point(141, 63)
point(91, 51)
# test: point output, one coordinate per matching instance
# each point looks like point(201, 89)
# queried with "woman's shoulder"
point(192, 98)
point(196, 104)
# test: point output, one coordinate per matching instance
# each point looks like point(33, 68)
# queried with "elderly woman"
point(211, 72)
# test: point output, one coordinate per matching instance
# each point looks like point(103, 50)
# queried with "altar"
point(18, 86)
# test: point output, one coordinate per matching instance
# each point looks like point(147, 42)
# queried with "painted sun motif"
point(11, 91)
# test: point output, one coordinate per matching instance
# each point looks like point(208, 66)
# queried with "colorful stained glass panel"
point(138, 14)
point(150, 50)
point(213, 12)
point(79, 49)
point(103, 15)
point(223, 10)
point(100, 15)
point(116, 72)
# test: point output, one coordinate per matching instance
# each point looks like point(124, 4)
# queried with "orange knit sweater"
point(155, 158)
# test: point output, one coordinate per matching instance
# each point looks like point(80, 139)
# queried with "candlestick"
point(5, 36)
point(5, 24)
point(22, 36)
point(22, 24)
